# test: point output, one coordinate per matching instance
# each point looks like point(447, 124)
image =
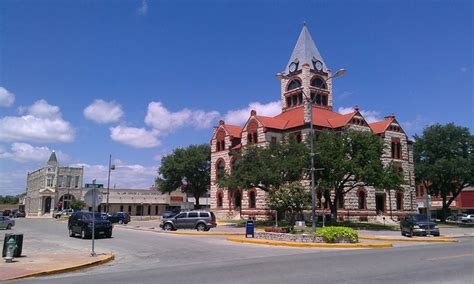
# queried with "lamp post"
point(339, 73)
point(111, 167)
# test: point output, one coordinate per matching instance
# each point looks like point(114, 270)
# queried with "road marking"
point(450, 256)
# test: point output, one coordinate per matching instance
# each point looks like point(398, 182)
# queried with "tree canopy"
point(348, 160)
point(188, 169)
point(267, 167)
point(291, 198)
point(444, 161)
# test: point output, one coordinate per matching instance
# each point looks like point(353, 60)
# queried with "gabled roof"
point(272, 122)
point(295, 117)
point(305, 50)
point(380, 126)
point(233, 130)
point(342, 120)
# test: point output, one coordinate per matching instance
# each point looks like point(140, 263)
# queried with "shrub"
point(334, 234)
point(277, 230)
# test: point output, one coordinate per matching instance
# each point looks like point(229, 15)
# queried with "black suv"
point(417, 224)
point(199, 220)
point(119, 217)
point(81, 223)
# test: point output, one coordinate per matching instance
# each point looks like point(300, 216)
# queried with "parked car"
point(65, 212)
point(6, 223)
point(468, 218)
point(417, 224)
point(199, 220)
point(119, 217)
point(18, 213)
point(80, 223)
point(456, 217)
point(169, 214)
point(7, 212)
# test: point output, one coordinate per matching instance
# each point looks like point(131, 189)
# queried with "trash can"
point(19, 243)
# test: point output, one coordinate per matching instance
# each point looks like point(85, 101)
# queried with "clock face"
point(318, 65)
point(293, 67)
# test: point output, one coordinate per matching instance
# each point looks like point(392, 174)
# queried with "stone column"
point(51, 210)
point(40, 205)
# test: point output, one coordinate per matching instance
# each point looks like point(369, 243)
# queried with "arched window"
point(318, 83)
point(234, 164)
point(220, 167)
point(362, 198)
point(219, 199)
point(399, 199)
point(340, 203)
point(252, 135)
point(294, 84)
point(252, 199)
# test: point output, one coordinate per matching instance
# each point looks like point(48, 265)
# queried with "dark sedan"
point(119, 217)
point(81, 223)
point(418, 224)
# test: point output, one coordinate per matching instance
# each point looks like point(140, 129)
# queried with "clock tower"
point(306, 74)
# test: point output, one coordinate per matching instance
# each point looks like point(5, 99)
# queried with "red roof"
point(271, 122)
point(233, 130)
point(321, 117)
point(380, 126)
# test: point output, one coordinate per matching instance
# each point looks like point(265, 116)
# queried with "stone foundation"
point(297, 238)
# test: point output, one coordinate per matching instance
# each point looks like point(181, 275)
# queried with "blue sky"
point(162, 73)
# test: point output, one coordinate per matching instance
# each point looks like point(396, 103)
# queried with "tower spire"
point(53, 160)
point(305, 51)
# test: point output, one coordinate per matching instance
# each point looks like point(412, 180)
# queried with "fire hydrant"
point(11, 247)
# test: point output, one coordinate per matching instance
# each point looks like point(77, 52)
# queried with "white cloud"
point(41, 122)
point(23, 152)
point(369, 115)
point(135, 137)
point(6, 98)
point(12, 182)
point(128, 176)
point(417, 125)
point(101, 111)
point(163, 120)
point(240, 116)
point(143, 9)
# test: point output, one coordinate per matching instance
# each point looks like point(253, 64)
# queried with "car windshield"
point(88, 216)
point(420, 218)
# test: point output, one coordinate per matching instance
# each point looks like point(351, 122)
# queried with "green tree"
point(348, 160)
point(77, 205)
point(188, 169)
point(392, 179)
point(9, 199)
point(444, 161)
point(290, 198)
point(267, 167)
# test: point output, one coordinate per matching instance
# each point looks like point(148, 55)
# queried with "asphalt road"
point(145, 257)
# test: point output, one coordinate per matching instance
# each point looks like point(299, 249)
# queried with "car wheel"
point(201, 227)
point(83, 234)
point(410, 234)
point(71, 233)
point(403, 233)
point(167, 227)
point(109, 234)
point(9, 226)
point(120, 222)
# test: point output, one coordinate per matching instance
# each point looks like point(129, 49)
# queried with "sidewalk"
point(45, 264)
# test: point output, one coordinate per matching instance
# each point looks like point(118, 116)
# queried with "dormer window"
point(220, 140)
point(252, 132)
point(294, 84)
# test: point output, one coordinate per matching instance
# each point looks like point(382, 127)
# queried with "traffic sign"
point(89, 197)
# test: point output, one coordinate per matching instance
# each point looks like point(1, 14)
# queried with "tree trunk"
point(196, 197)
point(390, 203)
point(445, 209)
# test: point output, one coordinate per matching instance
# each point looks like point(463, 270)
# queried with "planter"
point(297, 238)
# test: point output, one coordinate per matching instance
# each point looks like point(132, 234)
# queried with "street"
point(147, 257)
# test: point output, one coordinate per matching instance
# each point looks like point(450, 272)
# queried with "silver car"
point(6, 223)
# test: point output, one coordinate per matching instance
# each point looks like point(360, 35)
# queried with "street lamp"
point(281, 76)
point(111, 168)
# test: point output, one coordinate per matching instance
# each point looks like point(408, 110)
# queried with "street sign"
point(89, 198)
point(90, 185)
point(427, 200)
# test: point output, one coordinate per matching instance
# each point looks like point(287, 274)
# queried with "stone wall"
point(298, 238)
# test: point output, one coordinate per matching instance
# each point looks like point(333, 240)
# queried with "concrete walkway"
point(46, 264)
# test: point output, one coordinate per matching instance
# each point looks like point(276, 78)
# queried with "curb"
point(66, 269)
point(308, 245)
point(408, 240)
point(185, 233)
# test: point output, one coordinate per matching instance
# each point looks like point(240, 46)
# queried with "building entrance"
point(380, 203)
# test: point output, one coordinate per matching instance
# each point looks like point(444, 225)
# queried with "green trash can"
point(19, 244)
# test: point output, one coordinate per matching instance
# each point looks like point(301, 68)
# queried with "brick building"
point(307, 73)
point(463, 203)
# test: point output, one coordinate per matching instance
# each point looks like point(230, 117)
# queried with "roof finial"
point(304, 23)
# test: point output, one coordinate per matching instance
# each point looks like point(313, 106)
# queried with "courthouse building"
point(53, 187)
point(307, 73)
